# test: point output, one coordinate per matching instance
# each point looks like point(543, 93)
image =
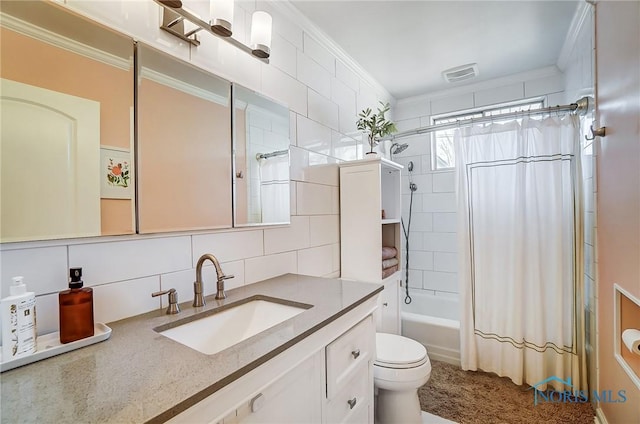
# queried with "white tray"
point(49, 345)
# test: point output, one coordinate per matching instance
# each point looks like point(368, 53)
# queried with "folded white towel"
point(388, 263)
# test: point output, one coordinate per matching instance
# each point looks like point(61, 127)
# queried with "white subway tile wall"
point(228, 246)
point(44, 269)
point(322, 109)
point(263, 267)
point(314, 75)
point(323, 94)
point(433, 244)
point(126, 260)
point(316, 261)
point(292, 237)
point(313, 136)
point(324, 229)
point(111, 304)
point(579, 77)
point(319, 54)
point(543, 86)
point(452, 103)
point(347, 76)
point(492, 96)
point(284, 55)
point(314, 199)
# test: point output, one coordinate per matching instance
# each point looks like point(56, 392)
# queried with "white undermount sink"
point(217, 331)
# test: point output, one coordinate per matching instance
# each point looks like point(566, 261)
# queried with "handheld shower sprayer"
point(407, 229)
point(412, 186)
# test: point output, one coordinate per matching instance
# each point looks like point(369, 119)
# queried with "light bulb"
point(221, 13)
point(261, 34)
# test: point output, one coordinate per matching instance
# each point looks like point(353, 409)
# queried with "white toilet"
point(401, 367)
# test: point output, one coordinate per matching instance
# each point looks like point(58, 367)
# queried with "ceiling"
point(405, 45)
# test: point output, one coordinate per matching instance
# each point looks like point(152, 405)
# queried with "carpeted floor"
point(469, 397)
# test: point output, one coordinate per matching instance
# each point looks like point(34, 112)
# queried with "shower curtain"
point(274, 188)
point(520, 247)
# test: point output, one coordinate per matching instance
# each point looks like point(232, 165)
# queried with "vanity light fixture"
point(221, 25)
point(221, 12)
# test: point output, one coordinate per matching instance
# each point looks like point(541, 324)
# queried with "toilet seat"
point(398, 352)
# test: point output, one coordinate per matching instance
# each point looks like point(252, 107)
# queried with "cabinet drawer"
point(351, 403)
point(347, 352)
point(293, 398)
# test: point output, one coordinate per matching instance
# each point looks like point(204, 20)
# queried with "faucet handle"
point(227, 277)
point(173, 307)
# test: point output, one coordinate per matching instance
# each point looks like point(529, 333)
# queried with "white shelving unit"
point(367, 188)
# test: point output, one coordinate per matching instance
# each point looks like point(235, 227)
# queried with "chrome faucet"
point(198, 298)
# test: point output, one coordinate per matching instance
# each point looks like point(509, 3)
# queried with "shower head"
point(410, 166)
point(398, 148)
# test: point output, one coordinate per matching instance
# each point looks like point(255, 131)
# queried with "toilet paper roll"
point(631, 339)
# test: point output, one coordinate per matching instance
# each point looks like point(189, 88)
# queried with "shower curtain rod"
point(580, 107)
point(272, 154)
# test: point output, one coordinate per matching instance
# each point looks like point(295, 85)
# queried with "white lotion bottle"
point(18, 322)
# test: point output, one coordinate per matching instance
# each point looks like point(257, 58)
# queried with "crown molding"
point(57, 40)
point(179, 85)
point(294, 15)
point(580, 17)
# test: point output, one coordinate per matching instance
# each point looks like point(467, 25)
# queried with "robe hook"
point(597, 132)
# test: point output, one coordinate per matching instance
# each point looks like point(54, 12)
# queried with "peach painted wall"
point(618, 187)
point(30, 61)
point(117, 217)
point(184, 161)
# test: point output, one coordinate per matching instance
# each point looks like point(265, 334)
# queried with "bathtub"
point(433, 321)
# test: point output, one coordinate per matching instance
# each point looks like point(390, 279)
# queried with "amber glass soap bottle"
point(76, 309)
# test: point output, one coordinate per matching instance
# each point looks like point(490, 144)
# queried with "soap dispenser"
point(18, 321)
point(76, 309)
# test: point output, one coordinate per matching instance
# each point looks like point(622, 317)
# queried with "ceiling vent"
point(461, 73)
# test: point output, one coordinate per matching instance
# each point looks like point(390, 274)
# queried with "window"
point(442, 151)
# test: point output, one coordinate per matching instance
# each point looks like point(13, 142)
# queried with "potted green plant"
point(375, 125)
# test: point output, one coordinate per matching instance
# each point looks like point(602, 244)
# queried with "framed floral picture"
point(116, 174)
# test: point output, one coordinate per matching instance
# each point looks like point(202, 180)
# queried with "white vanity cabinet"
point(325, 378)
point(350, 375)
point(367, 188)
point(292, 398)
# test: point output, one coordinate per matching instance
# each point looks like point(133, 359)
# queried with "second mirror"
point(184, 146)
point(261, 145)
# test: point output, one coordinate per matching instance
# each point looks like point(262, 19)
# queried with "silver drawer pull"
point(257, 402)
point(352, 403)
point(355, 353)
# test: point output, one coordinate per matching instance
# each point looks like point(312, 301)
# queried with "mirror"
point(183, 145)
point(67, 119)
point(261, 150)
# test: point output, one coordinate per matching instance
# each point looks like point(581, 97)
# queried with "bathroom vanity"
point(314, 367)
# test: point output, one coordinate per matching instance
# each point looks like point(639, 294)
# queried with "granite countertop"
point(138, 375)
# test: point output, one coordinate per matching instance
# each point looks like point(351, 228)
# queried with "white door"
point(50, 164)
point(618, 187)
